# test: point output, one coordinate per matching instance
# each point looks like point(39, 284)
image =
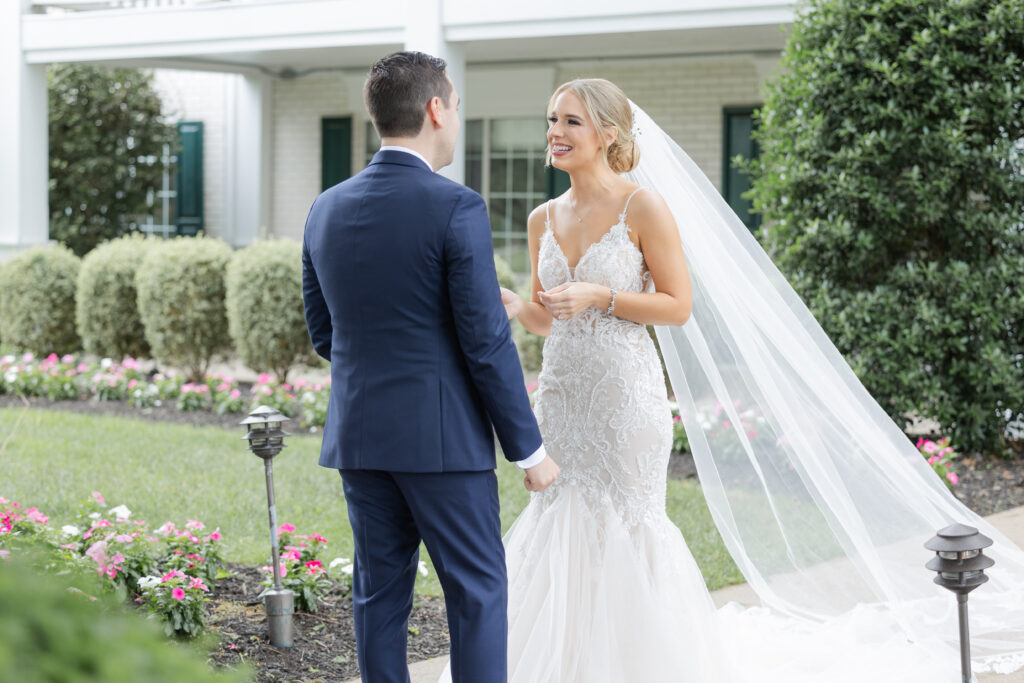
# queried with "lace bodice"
point(601, 401)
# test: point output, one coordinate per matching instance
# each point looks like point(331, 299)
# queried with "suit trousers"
point(456, 515)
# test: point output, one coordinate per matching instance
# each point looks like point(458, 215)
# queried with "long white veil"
point(821, 499)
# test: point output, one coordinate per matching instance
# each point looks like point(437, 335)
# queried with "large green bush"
point(891, 179)
point(181, 292)
point(106, 312)
point(264, 302)
point(37, 307)
point(528, 344)
point(53, 631)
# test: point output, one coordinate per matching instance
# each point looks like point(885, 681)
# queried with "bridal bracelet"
point(611, 306)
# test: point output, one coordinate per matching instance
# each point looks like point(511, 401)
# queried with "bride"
point(820, 498)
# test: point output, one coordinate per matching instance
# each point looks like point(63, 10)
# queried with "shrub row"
point(181, 301)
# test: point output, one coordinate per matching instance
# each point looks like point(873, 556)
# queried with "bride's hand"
point(513, 302)
point(569, 300)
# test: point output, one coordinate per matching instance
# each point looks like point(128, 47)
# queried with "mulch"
point(324, 648)
point(323, 643)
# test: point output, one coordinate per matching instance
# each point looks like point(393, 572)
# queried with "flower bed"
point(67, 378)
point(168, 570)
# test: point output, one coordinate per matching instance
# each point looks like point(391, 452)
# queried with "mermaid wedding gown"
point(601, 584)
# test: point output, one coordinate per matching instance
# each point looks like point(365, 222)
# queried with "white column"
point(24, 133)
point(424, 31)
point(248, 162)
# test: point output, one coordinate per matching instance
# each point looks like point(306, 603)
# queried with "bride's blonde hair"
point(606, 106)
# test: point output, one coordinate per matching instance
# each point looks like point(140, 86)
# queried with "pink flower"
point(187, 388)
point(198, 583)
point(112, 382)
point(194, 524)
point(101, 523)
point(171, 575)
point(98, 498)
point(953, 477)
point(264, 378)
point(133, 383)
point(34, 515)
point(6, 554)
point(214, 536)
point(531, 387)
point(291, 555)
point(318, 538)
point(920, 442)
point(677, 419)
point(178, 594)
point(286, 529)
point(167, 528)
point(70, 546)
point(27, 358)
point(315, 563)
point(223, 386)
point(300, 383)
point(930, 447)
point(3, 501)
point(932, 460)
point(318, 387)
point(235, 393)
point(52, 358)
point(68, 358)
point(286, 386)
point(124, 538)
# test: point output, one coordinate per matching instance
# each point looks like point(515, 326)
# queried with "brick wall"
point(200, 96)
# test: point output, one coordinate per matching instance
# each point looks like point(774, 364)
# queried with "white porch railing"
point(60, 6)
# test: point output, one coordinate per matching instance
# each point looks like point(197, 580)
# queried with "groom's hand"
point(541, 475)
point(513, 302)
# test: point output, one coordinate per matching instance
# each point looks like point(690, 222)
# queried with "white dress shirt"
point(399, 148)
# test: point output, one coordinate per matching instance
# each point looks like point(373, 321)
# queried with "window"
point(737, 125)
point(335, 151)
point(505, 164)
point(189, 198)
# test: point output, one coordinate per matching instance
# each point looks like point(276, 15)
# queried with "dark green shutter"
point(189, 209)
point(336, 151)
point(558, 182)
point(737, 125)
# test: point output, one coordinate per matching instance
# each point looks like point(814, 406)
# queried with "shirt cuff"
point(535, 459)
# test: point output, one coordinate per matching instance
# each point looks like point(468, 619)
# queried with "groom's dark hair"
point(398, 89)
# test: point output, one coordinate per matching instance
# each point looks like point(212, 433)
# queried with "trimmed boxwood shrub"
point(181, 291)
point(891, 179)
point(266, 318)
point(106, 312)
point(37, 308)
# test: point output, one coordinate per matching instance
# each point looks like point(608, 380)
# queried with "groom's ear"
point(435, 112)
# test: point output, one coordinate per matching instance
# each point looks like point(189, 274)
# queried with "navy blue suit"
point(402, 297)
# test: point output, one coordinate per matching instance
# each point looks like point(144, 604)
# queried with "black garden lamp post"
point(266, 439)
point(961, 568)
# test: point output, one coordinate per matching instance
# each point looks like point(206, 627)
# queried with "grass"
point(54, 460)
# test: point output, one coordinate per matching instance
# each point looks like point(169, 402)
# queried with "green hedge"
point(37, 309)
point(52, 631)
point(181, 292)
point(891, 179)
point(264, 304)
point(107, 312)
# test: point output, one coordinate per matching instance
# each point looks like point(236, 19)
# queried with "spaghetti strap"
point(547, 215)
point(626, 207)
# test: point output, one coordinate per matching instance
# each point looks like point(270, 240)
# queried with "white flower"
point(10, 376)
point(70, 530)
point(106, 363)
point(149, 582)
point(422, 568)
point(120, 512)
point(95, 515)
point(348, 568)
point(338, 560)
point(7, 360)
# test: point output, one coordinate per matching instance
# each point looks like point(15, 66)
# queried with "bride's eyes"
point(554, 119)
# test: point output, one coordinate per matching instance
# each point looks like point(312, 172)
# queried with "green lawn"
point(54, 460)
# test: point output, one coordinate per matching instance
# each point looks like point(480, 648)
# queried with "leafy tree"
point(101, 122)
point(891, 179)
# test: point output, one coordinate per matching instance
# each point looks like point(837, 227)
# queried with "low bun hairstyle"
point(606, 105)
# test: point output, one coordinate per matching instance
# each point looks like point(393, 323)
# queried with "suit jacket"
point(402, 297)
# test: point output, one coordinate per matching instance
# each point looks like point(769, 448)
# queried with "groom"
point(402, 298)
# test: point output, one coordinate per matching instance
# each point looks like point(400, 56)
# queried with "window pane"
point(520, 175)
point(540, 177)
point(475, 136)
point(522, 135)
point(498, 175)
point(519, 213)
point(498, 217)
point(474, 174)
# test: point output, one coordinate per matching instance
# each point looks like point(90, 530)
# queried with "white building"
point(275, 87)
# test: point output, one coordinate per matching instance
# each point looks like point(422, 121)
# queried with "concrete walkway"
point(1010, 522)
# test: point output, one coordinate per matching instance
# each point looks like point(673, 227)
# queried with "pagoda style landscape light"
point(961, 568)
point(266, 439)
